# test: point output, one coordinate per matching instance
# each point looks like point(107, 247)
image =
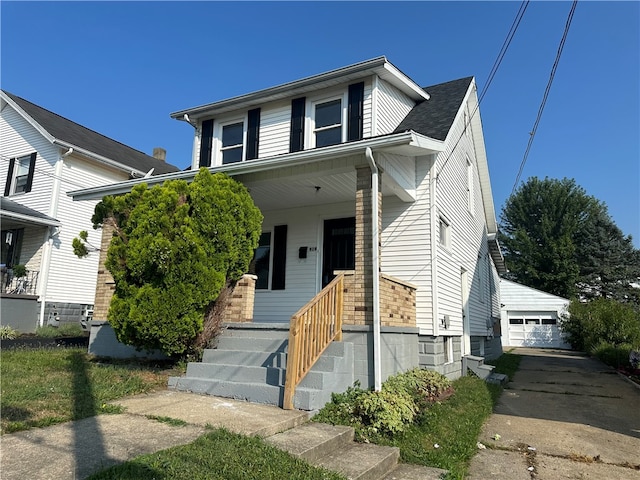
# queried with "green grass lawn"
point(218, 454)
point(48, 386)
point(41, 387)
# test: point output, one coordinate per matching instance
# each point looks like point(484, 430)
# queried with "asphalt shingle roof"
point(10, 206)
point(70, 132)
point(435, 116)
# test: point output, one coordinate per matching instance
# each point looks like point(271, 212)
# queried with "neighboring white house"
point(530, 317)
point(311, 153)
point(43, 156)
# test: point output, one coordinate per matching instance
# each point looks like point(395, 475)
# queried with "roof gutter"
point(98, 158)
point(52, 222)
point(406, 139)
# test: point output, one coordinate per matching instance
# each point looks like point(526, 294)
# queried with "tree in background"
point(175, 248)
point(560, 240)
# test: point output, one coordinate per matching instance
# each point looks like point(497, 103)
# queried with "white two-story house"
point(362, 172)
point(43, 156)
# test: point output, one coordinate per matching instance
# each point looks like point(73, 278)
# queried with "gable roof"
point(434, 117)
point(379, 66)
point(71, 134)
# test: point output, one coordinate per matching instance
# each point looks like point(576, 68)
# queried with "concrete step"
point(405, 471)
point(257, 330)
point(242, 357)
point(497, 378)
point(250, 392)
point(313, 441)
point(252, 344)
point(361, 461)
point(326, 363)
point(236, 373)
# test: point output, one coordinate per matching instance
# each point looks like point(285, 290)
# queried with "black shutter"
point(32, 167)
point(356, 111)
point(296, 140)
point(253, 128)
point(279, 257)
point(7, 186)
point(206, 143)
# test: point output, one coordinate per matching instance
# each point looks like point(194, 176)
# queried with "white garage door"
point(535, 329)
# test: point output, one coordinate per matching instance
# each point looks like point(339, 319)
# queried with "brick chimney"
point(160, 153)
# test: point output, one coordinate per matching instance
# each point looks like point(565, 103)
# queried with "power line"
point(496, 64)
point(546, 93)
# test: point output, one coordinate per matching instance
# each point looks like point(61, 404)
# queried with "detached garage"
point(530, 317)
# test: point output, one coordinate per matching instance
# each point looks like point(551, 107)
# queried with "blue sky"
point(121, 68)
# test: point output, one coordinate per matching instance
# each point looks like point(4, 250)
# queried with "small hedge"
point(389, 411)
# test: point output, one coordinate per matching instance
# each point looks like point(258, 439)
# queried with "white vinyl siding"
point(275, 125)
point(18, 138)
point(468, 240)
point(392, 107)
point(405, 243)
point(367, 120)
point(31, 251)
point(302, 276)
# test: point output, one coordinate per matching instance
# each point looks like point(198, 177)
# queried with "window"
point(448, 349)
point(11, 246)
point(206, 140)
point(469, 185)
point(261, 261)
point(232, 142)
point(269, 260)
point(20, 175)
point(444, 233)
point(515, 321)
point(328, 123)
point(549, 321)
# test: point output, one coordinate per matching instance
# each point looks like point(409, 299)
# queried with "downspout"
point(433, 178)
point(45, 263)
point(377, 359)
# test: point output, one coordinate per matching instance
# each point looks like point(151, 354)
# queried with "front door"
point(339, 247)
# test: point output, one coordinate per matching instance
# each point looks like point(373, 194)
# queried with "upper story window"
point(470, 193)
point(328, 123)
point(444, 233)
point(20, 175)
point(232, 148)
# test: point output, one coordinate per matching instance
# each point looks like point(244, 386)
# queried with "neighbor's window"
point(20, 175)
point(232, 142)
point(328, 123)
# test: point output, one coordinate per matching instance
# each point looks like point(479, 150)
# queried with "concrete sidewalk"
point(564, 416)
point(75, 450)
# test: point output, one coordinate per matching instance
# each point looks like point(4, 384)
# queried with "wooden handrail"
point(312, 329)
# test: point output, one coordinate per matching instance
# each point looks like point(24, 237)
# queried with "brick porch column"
point(105, 286)
point(363, 278)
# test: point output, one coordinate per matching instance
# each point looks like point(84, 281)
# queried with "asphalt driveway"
point(564, 416)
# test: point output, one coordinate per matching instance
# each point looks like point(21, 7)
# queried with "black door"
point(339, 248)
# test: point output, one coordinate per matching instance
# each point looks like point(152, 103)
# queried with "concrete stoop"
point(333, 448)
point(250, 364)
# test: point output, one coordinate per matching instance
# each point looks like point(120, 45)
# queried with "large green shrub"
point(175, 247)
point(600, 321)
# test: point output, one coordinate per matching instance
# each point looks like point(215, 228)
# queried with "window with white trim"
point(469, 185)
point(444, 233)
point(20, 175)
point(232, 142)
point(448, 350)
point(328, 122)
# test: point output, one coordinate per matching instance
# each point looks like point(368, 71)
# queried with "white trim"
point(356, 72)
point(415, 142)
point(217, 138)
point(310, 117)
